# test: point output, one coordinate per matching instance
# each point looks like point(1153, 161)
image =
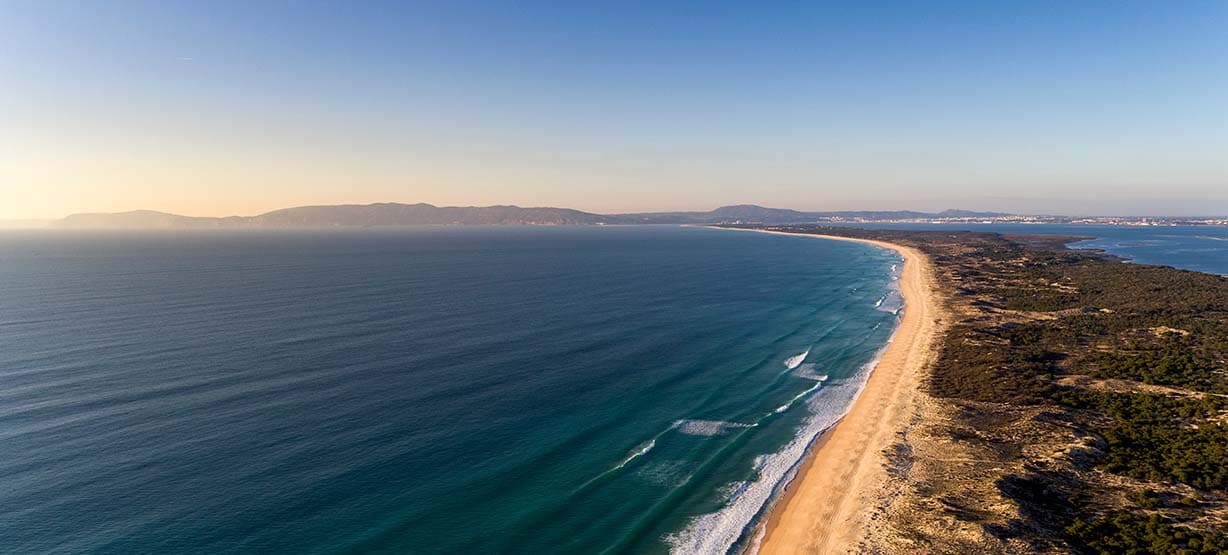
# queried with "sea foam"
point(796, 360)
point(893, 300)
point(798, 397)
point(716, 532)
point(639, 451)
point(810, 372)
point(707, 427)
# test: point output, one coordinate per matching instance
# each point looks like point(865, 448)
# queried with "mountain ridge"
point(392, 214)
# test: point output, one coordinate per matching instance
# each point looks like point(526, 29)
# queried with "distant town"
point(1022, 219)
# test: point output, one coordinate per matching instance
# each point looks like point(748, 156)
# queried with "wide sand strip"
point(828, 506)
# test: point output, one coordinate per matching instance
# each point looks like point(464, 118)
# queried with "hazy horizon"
point(11, 223)
point(926, 207)
point(228, 108)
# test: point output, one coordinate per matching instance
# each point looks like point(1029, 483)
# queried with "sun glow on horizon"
point(237, 109)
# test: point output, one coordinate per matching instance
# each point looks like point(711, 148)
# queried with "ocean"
point(433, 390)
point(1200, 248)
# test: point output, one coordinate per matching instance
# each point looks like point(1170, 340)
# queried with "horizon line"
point(988, 213)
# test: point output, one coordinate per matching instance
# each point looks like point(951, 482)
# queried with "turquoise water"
point(462, 390)
point(1200, 248)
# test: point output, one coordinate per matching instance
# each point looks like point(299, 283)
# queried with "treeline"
point(1126, 534)
point(1161, 439)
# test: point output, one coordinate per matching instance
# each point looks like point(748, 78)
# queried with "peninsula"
point(1069, 403)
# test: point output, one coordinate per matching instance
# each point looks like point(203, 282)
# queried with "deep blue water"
point(464, 390)
point(1200, 248)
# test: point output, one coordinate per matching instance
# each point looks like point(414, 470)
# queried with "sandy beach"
point(828, 506)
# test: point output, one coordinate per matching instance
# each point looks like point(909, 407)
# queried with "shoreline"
point(829, 504)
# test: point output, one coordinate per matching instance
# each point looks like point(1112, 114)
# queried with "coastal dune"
point(829, 506)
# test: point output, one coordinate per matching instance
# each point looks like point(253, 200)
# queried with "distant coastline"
point(397, 214)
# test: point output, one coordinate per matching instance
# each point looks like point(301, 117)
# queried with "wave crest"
point(707, 427)
point(796, 360)
point(718, 531)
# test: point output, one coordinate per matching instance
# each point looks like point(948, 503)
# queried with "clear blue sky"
point(212, 108)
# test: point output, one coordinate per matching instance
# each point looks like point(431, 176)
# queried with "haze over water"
point(471, 390)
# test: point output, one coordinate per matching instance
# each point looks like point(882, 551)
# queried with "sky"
point(224, 108)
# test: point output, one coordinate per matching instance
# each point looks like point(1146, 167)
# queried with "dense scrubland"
point(1095, 393)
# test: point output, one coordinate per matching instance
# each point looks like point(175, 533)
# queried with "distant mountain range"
point(394, 214)
point(759, 214)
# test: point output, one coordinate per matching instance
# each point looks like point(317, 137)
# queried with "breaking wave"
point(707, 427)
point(796, 360)
point(639, 451)
point(718, 531)
point(809, 372)
point(893, 300)
point(798, 397)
